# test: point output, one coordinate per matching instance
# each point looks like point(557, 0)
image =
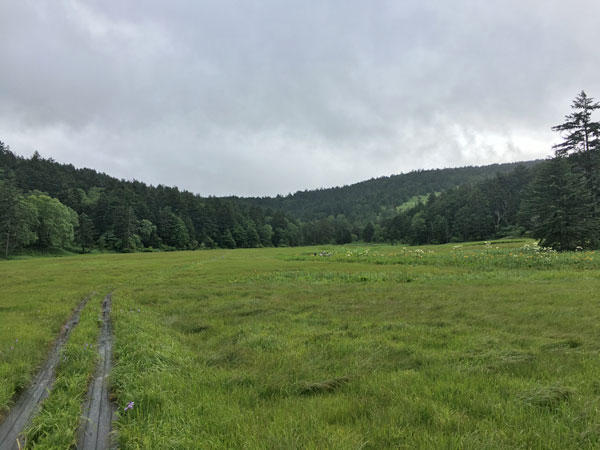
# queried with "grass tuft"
point(321, 387)
point(548, 396)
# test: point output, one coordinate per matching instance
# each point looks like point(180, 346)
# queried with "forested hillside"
point(121, 215)
point(94, 210)
point(44, 204)
point(378, 198)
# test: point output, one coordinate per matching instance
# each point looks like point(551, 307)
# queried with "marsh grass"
point(284, 348)
point(33, 308)
point(486, 256)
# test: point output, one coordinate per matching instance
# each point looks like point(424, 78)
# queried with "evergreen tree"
point(581, 139)
point(560, 209)
point(172, 229)
point(252, 237)
point(439, 230)
point(125, 226)
point(419, 233)
point(343, 235)
point(226, 240)
point(180, 238)
point(239, 236)
point(368, 232)
point(85, 232)
point(293, 235)
point(581, 134)
point(18, 218)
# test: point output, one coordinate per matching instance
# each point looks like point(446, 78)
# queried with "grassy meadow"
point(473, 346)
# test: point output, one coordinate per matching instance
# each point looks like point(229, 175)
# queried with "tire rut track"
point(96, 423)
point(27, 404)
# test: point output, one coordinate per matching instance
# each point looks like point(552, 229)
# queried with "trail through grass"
point(55, 425)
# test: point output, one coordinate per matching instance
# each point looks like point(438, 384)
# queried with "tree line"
point(44, 204)
point(92, 210)
point(376, 199)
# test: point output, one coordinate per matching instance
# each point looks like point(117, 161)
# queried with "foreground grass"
point(34, 305)
point(379, 347)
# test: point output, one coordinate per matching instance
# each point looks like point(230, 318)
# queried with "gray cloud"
point(266, 97)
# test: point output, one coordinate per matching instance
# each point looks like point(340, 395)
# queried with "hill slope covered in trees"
point(96, 210)
point(378, 198)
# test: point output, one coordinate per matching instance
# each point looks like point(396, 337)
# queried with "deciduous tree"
point(56, 222)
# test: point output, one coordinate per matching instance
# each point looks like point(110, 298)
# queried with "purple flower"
point(129, 406)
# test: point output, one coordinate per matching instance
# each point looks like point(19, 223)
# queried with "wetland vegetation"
point(479, 345)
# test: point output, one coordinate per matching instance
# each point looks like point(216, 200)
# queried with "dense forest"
point(379, 198)
point(45, 204)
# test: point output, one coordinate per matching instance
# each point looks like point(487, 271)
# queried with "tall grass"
point(350, 347)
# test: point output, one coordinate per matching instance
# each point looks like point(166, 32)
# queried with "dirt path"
point(27, 404)
point(95, 428)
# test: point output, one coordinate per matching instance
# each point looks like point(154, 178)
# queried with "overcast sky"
point(264, 97)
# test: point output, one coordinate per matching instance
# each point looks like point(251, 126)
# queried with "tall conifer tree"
point(560, 208)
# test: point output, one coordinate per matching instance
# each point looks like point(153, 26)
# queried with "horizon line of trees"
point(118, 215)
point(44, 204)
point(110, 214)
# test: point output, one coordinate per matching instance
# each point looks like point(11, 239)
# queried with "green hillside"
point(365, 201)
point(94, 210)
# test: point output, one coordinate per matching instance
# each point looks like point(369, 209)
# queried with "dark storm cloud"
point(265, 97)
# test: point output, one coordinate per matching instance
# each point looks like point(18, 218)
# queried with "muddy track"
point(96, 423)
point(27, 403)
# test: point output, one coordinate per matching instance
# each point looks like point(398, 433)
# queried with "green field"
point(479, 346)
